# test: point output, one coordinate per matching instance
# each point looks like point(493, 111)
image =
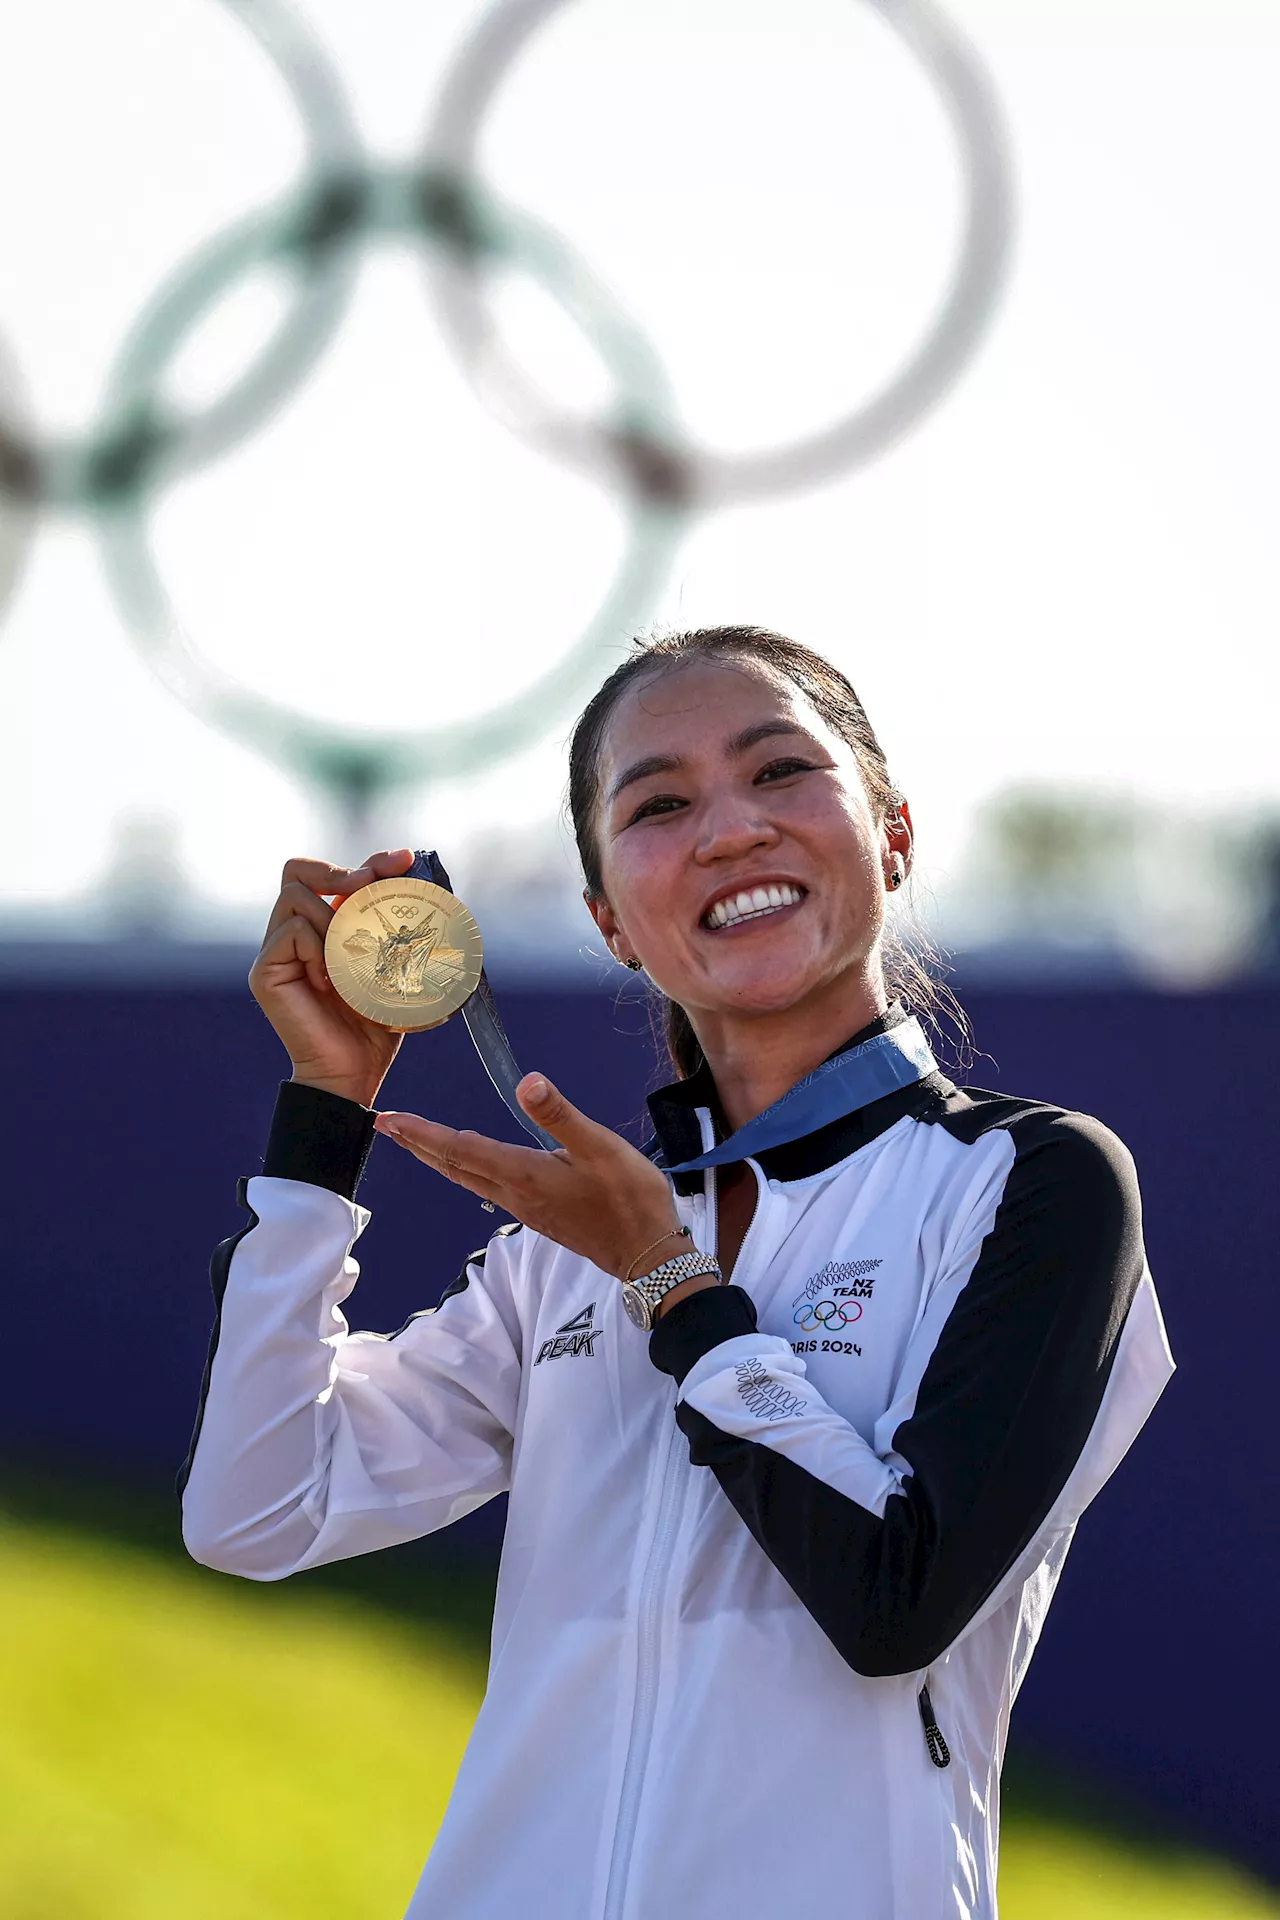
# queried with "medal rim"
point(382, 1013)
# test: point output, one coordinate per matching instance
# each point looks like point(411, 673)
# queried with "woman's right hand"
point(330, 1044)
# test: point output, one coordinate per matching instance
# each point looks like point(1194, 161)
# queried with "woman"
point(772, 1575)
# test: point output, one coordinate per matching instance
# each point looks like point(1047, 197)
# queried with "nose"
point(733, 824)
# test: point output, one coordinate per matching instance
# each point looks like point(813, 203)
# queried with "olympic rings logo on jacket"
point(827, 1313)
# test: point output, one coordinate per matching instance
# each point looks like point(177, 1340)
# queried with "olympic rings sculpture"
point(711, 479)
point(17, 481)
point(827, 1313)
point(383, 203)
point(347, 203)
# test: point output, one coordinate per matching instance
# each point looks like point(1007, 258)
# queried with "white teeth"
point(751, 902)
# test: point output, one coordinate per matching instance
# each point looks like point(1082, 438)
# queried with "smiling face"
point(741, 859)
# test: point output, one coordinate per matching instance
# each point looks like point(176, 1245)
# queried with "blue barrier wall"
point(133, 1111)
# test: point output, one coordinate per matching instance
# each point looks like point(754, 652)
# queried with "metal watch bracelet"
point(640, 1297)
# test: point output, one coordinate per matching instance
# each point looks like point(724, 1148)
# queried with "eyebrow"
point(671, 763)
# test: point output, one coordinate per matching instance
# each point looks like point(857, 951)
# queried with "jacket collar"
point(826, 1133)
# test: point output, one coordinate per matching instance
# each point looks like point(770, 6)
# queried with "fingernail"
point(537, 1088)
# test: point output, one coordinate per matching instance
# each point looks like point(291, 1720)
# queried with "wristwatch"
point(641, 1296)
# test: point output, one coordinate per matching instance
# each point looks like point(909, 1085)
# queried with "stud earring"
point(636, 966)
point(895, 878)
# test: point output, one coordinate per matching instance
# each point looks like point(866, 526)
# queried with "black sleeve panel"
point(315, 1137)
point(219, 1269)
point(1004, 1408)
point(319, 1138)
point(698, 1323)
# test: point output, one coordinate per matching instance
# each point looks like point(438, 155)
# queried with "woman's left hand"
point(597, 1195)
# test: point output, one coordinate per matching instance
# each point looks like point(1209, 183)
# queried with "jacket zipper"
point(648, 1636)
point(939, 1751)
point(649, 1615)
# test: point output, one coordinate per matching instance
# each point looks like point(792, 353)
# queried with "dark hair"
point(906, 960)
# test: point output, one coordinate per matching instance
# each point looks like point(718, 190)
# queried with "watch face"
point(637, 1308)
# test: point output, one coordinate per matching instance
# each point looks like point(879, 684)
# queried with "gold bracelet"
point(670, 1234)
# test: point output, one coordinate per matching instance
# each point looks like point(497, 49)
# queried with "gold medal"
point(404, 953)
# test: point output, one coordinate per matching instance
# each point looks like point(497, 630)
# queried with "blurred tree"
point(1063, 879)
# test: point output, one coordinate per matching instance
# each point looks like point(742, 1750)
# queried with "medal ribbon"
point(488, 1036)
point(838, 1087)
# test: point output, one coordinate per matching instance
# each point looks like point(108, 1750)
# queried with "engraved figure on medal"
point(405, 961)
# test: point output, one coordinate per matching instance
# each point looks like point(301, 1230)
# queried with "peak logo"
point(578, 1335)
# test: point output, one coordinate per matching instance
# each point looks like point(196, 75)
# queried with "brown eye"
point(780, 769)
point(660, 803)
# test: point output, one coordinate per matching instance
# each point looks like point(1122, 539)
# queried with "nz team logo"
point(576, 1336)
point(832, 1299)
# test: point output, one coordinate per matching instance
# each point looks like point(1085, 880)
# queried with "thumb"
point(562, 1120)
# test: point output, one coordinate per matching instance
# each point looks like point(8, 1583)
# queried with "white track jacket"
point(772, 1576)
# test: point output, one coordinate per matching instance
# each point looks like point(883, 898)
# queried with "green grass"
point(171, 1746)
point(176, 1744)
point(1055, 1872)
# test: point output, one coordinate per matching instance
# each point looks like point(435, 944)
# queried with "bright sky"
point(1066, 572)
